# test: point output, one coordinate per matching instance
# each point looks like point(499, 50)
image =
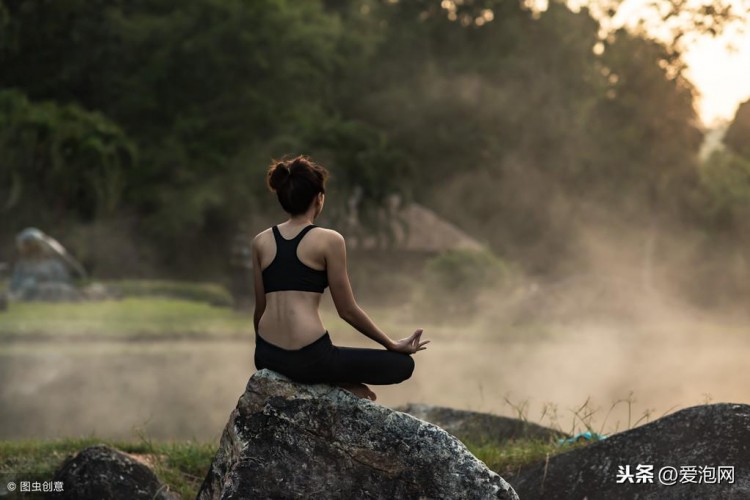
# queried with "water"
point(186, 389)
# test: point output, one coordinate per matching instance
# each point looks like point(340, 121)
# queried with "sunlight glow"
point(718, 67)
point(721, 75)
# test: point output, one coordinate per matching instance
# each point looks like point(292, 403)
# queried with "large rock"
point(289, 440)
point(478, 427)
point(100, 472)
point(704, 437)
point(44, 269)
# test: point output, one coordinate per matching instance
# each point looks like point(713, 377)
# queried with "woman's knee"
point(408, 367)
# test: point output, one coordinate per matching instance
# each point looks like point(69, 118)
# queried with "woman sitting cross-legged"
point(293, 264)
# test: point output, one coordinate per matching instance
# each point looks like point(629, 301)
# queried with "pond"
point(182, 389)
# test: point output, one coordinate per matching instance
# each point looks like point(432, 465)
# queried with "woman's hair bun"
point(278, 175)
point(296, 182)
point(298, 163)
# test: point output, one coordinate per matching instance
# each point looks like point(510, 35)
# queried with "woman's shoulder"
point(263, 233)
point(262, 237)
point(330, 235)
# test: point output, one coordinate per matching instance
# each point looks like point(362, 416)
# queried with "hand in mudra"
point(410, 344)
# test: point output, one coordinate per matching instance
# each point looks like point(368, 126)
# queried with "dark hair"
point(296, 182)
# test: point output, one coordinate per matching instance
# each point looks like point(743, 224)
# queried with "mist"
point(574, 158)
point(595, 351)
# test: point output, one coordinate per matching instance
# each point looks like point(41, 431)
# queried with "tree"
point(737, 137)
point(61, 160)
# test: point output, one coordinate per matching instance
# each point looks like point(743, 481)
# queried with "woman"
point(293, 263)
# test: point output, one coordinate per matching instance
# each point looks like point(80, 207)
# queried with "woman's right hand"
point(410, 344)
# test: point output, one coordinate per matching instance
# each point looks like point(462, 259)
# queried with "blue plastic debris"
point(584, 436)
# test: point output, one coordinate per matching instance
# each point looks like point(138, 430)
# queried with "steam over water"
point(186, 389)
point(577, 166)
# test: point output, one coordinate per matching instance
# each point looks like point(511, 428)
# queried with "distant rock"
point(100, 472)
point(289, 440)
point(479, 427)
point(44, 269)
point(695, 442)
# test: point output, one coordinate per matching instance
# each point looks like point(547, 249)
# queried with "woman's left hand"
point(410, 344)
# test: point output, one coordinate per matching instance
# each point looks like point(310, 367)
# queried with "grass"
point(211, 293)
point(130, 317)
point(148, 308)
point(182, 466)
point(508, 457)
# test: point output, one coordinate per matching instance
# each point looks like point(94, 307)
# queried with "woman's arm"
point(341, 292)
point(260, 293)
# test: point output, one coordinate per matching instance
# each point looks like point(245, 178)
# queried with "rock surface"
point(705, 437)
point(99, 472)
point(289, 440)
point(479, 427)
point(43, 269)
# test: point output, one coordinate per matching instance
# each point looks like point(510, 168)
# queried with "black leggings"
point(323, 362)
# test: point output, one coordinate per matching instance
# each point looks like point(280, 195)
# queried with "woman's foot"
point(359, 390)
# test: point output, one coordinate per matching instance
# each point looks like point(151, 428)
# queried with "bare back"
point(291, 319)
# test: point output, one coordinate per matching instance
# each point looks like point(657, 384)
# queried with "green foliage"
point(727, 177)
point(364, 166)
point(654, 148)
point(197, 88)
point(719, 275)
point(725, 181)
point(61, 158)
point(523, 122)
point(737, 137)
point(5, 39)
point(486, 102)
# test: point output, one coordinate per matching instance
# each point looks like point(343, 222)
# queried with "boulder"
point(477, 427)
point(44, 270)
point(290, 440)
point(99, 472)
point(695, 442)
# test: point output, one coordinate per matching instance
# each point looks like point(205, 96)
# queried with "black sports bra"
point(287, 272)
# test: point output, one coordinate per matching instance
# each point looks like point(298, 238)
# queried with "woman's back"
point(294, 276)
